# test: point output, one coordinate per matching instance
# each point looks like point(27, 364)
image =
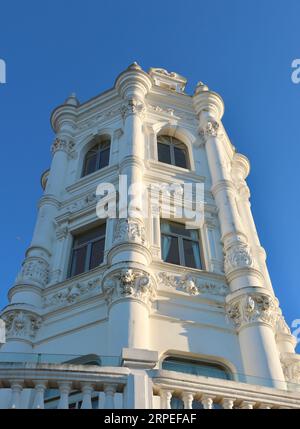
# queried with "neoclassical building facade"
point(140, 311)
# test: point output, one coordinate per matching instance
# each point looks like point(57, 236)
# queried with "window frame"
point(98, 147)
point(180, 239)
point(172, 145)
point(89, 245)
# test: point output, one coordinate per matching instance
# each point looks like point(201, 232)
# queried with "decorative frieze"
point(130, 230)
point(238, 256)
point(191, 284)
point(63, 145)
point(253, 308)
point(129, 283)
point(291, 368)
point(34, 270)
point(21, 324)
point(73, 293)
point(88, 201)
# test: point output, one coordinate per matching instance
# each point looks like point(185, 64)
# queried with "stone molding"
point(291, 367)
point(191, 284)
point(129, 283)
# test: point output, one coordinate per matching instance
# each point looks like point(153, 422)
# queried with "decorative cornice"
point(73, 293)
point(191, 284)
point(21, 324)
point(129, 283)
point(253, 308)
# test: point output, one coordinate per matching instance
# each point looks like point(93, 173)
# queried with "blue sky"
point(241, 49)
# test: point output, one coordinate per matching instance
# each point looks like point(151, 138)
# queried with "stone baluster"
point(228, 403)
point(207, 402)
point(188, 398)
point(166, 396)
point(247, 405)
point(38, 402)
point(64, 389)
point(16, 390)
point(109, 402)
point(87, 391)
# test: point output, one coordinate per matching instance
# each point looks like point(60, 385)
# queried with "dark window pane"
point(97, 253)
point(104, 158)
point(90, 235)
point(78, 261)
point(205, 369)
point(180, 157)
point(170, 250)
point(179, 229)
point(191, 254)
point(176, 403)
point(164, 154)
point(90, 164)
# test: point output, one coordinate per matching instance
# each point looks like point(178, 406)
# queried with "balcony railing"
point(178, 390)
point(56, 385)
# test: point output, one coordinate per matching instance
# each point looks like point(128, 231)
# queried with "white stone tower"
point(144, 311)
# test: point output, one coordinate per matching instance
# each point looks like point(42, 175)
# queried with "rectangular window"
point(88, 250)
point(179, 245)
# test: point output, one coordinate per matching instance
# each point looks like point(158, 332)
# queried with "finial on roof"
point(72, 100)
point(201, 87)
point(134, 66)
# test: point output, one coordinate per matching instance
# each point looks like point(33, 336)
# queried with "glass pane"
point(90, 164)
point(78, 261)
point(205, 369)
point(90, 235)
point(104, 158)
point(97, 253)
point(179, 229)
point(191, 254)
point(177, 403)
point(170, 250)
point(180, 157)
point(164, 154)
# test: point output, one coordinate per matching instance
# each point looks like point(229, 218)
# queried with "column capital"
point(253, 308)
point(63, 144)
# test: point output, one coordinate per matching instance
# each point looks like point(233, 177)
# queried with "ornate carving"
point(61, 232)
point(133, 107)
point(253, 308)
point(291, 368)
point(34, 270)
point(191, 285)
point(211, 129)
point(63, 145)
point(88, 201)
point(129, 283)
point(21, 323)
point(73, 293)
point(131, 230)
point(238, 256)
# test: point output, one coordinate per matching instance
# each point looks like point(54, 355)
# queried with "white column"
point(250, 299)
point(207, 402)
point(166, 396)
point(228, 403)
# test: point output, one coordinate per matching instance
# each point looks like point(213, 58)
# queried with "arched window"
point(97, 157)
point(195, 367)
point(172, 151)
